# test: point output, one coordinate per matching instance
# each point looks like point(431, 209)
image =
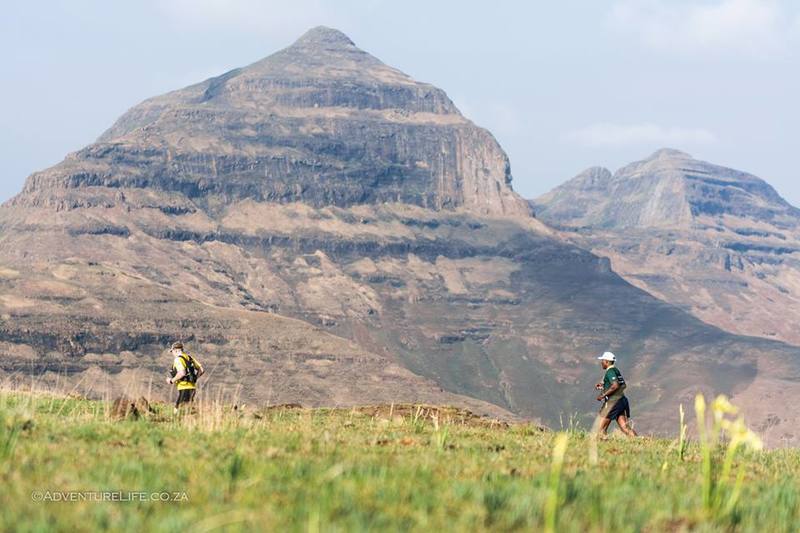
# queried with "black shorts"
point(185, 396)
point(621, 408)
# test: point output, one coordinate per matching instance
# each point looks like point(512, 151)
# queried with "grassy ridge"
point(320, 470)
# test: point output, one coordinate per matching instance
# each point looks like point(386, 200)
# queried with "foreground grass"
point(342, 470)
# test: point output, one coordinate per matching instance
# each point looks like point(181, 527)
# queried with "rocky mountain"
point(321, 122)
point(713, 240)
point(321, 228)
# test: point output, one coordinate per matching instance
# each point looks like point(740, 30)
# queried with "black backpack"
point(191, 368)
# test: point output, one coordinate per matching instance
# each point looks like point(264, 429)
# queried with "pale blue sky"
point(562, 85)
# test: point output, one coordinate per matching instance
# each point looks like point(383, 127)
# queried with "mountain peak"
point(669, 153)
point(668, 189)
point(325, 38)
point(321, 122)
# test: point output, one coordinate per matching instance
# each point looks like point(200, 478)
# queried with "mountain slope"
point(322, 228)
point(719, 242)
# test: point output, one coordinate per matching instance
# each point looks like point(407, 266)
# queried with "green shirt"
point(613, 375)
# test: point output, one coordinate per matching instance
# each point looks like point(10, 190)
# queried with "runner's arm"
point(180, 375)
point(181, 371)
point(614, 386)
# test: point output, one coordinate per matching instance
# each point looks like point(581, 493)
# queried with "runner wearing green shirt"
point(612, 394)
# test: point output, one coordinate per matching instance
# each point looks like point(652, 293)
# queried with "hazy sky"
point(562, 85)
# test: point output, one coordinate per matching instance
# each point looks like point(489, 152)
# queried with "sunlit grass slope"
point(380, 469)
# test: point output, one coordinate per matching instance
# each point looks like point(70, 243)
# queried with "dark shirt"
point(613, 375)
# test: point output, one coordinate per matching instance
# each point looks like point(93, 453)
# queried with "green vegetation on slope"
point(348, 470)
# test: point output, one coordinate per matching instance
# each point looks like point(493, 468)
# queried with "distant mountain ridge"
point(720, 242)
point(669, 189)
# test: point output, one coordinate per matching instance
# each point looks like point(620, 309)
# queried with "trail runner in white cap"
point(612, 394)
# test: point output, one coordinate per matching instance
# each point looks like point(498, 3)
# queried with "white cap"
point(608, 356)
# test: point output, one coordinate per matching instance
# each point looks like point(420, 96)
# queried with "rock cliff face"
point(319, 228)
point(320, 122)
point(716, 241)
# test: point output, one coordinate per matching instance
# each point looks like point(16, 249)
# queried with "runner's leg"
point(622, 422)
point(184, 396)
